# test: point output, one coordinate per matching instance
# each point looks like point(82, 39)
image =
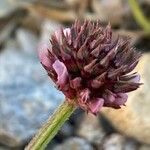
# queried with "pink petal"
point(84, 96)
point(66, 31)
point(43, 55)
point(109, 97)
point(136, 79)
point(121, 98)
point(75, 83)
point(95, 105)
point(62, 73)
point(58, 35)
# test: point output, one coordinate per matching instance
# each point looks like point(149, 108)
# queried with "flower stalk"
point(139, 16)
point(51, 127)
point(91, 66)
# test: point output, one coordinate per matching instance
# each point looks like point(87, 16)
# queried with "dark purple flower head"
point(91, 66)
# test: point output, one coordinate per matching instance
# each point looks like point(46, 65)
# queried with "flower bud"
point(90, 65)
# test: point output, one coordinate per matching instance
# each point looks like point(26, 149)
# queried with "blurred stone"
point(23, 1)
point(100, 7)
point(4, 148)
point(27, 41)
point(6, 7)
point(47, 28)
point(77, 117)
point(27, 96)
point(51, 144)
point(134, 119)
point(74, 144)
point(130, 144)
point(113, 142)
point(145, 1)
point(143, 43)
point(145, 147)
point(51, 13)
point(5, 32)
point(66, 131)
point(91, 130)
point(118, 142)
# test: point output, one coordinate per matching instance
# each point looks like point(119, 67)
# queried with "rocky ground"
point(28, 97)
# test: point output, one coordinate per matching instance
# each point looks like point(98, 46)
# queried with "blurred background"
point(28, 97)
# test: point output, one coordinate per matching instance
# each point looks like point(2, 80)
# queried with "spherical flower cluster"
point(91, 66)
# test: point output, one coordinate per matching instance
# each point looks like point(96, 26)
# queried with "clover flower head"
point(91, 65)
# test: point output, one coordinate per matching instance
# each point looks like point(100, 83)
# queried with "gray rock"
point(27, 96)
point(66, 130)
point(130, 144)
point(100, 7)
point(74, 144)
point(113, 142)
point(145, 1)
point(144, 147)
point(5, 32)
point(91, 129)
point(6, 7)
point(4, 148)
point(118, 142)
point(27, 40)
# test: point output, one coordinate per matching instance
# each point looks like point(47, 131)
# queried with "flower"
point(91, 65)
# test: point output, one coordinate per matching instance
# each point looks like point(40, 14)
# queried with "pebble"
point(27, 96)
point(27, 41)
point(74, 143)
point(91, 130)
point(118, 142)
point(145, 147)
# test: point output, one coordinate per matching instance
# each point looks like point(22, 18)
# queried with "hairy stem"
point(52, 126)
point(139, 16)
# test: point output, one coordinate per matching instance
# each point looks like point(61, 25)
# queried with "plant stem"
point(139, 16)
point(50, 129)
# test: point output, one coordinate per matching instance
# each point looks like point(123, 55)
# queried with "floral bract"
point(91, 66)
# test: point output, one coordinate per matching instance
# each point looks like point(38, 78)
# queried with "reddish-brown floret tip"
point(90, 64)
